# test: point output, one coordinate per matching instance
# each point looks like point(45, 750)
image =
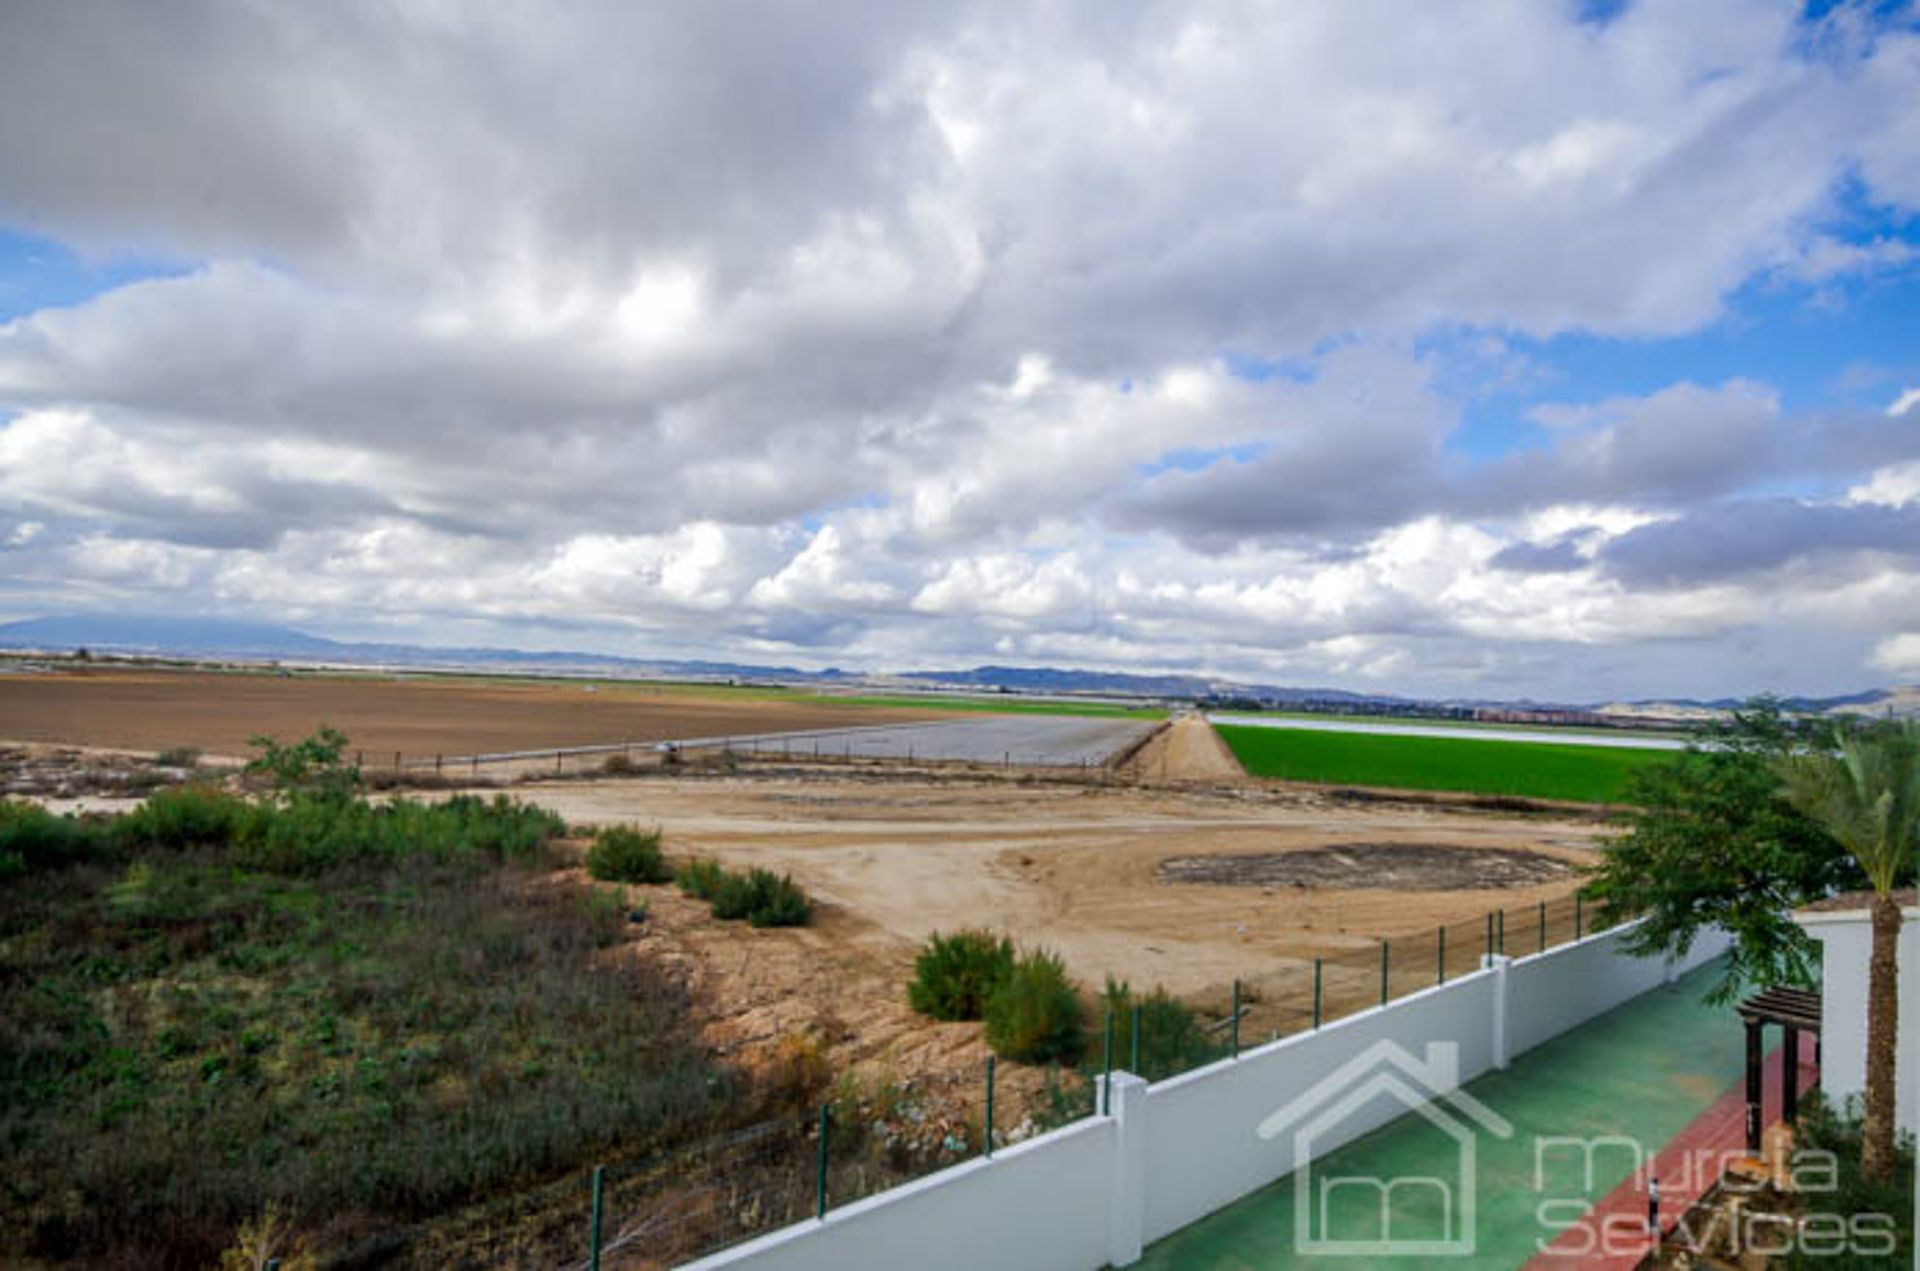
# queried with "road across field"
point(1045, 741)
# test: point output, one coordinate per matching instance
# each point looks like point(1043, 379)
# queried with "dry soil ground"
point(217, 713)
point(1077, 868)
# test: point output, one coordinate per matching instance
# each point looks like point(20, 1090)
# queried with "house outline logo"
point(1430, 1089)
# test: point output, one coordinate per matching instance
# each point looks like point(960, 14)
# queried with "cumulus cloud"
point(1899, 654)
point(1074, 333)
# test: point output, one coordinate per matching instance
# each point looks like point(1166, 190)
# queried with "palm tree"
point(1868, 797)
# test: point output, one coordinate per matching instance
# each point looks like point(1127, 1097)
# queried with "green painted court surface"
point(1644, 1071)
point(1540, 770)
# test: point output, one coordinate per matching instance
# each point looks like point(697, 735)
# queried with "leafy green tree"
point(1865, 792)
point(315, 766)
point(1715, 842)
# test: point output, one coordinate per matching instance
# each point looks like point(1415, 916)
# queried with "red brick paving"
point(1606, 1239)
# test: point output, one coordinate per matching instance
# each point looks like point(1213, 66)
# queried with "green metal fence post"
point(988, 1136)
point(1442, 959)
point(1383, 972)
point(1236, 1019)
point(820, 1169)
point(1543, 926)
point(593, 1224)
point(1106, 1066)
point(1316, 992)
point(1578, 904)
point(1134, 1066)
point(1489, 949)
point(1500, 931)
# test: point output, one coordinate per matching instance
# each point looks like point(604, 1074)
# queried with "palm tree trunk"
point(1883, 1029)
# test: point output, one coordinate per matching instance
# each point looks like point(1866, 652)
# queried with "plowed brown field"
point(217, 713)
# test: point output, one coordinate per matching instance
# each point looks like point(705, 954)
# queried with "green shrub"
point(306, 834)
point(1034, 1016)
point(502, 828)
point(1172, 1039)
point(700, 879)
point(185, 816)
point(1824, 1127)
point(762, 898)
point(955, 975)
point(777, 901)
point(33, 839)
point(315, 767)
point(622, 854)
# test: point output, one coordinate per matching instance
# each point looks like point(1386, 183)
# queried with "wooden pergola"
point(1795, 1011)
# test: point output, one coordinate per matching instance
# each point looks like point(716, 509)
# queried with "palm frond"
point(1866, 793)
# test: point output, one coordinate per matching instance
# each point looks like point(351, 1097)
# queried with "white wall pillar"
point(1498, 964)
point(1127, 1204)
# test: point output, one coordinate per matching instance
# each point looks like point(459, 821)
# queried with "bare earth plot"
point(1080, 868)
point(218, 713)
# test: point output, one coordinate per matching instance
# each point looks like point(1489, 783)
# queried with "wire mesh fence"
point(711, 1195)
point(1333, 983)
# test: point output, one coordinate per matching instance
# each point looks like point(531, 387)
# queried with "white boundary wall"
point(1095, 1192)
point(1201, 1138)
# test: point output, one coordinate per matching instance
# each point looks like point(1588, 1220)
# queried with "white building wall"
point(1846, 941)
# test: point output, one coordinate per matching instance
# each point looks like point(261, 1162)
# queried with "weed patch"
point(955, 975)
point(622, 854)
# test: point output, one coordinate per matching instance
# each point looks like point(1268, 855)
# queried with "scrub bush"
point(762, 898)
point(1172, 1039)
point(1034, 1016)
point(700, 879)
point(622, 854)
point(955, 975)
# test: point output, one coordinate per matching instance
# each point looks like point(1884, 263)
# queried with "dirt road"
point(1187, 750)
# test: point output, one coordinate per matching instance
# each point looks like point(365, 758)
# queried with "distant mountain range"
point(157, 636)
point(172, 637)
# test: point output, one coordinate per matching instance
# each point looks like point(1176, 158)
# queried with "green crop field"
point(1540, 770)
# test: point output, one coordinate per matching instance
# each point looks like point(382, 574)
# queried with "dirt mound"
point(1392, 866)
point(1186, 750)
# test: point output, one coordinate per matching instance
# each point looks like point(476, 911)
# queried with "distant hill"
point(1031, 679)
point(134, 633)
point(1901, 702)
point(196, 637)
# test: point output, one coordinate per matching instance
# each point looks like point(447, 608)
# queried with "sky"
point(1520, 348)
